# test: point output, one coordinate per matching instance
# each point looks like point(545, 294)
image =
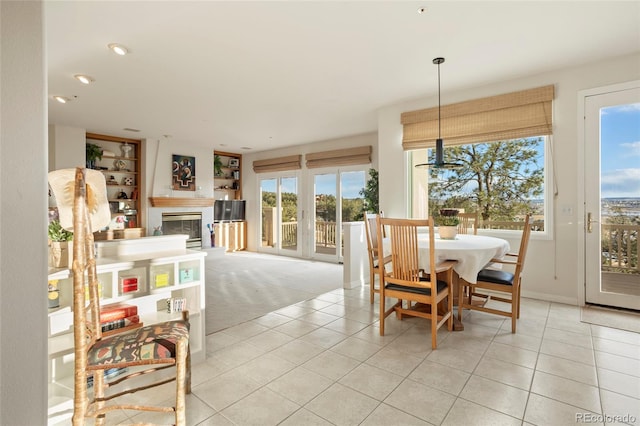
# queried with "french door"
point(280, 215)
point(612, 196)
point(336, 199)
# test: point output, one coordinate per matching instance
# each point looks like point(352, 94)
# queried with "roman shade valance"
point(514, 115)
point(291, 162)
point(339, 157)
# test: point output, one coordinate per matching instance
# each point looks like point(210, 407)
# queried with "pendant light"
point(439, 163)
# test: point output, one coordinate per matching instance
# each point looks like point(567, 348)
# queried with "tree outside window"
point(503, 181)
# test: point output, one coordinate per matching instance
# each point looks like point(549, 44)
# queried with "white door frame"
point(582, 208)
point(300, 214)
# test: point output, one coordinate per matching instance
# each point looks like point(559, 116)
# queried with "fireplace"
point(188, 223)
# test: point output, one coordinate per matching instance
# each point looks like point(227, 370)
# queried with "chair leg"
point(372, 284)
point(434, 326)
point(382, 309)
point(182, 381)
point(514, 308)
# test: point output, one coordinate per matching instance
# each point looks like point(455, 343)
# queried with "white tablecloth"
point(473, 252)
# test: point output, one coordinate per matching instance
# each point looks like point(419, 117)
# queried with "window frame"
point(548, 197)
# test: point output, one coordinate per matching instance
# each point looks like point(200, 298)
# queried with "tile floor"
point(323, 362)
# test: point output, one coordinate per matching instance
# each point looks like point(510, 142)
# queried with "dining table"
point(471, 252)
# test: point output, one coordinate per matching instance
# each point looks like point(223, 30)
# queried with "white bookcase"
point(164, 269)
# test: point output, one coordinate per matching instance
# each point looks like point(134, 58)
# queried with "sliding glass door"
point(336, 199)
point(280, 215)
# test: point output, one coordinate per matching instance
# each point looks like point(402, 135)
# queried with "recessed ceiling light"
point(61, 99)
point(118, 49)
point(84, 79)
point(245, 147)
point(129, 129)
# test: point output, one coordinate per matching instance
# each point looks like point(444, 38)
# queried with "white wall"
point(551, 271)
point(66, 147)
point(23, 217)
point(251, 191)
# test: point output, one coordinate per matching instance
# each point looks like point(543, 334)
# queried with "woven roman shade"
point(514, 115)
point(291, 162)
point(339, 157)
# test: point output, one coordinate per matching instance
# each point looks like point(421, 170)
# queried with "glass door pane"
point(352, 202)
point(324, 221)
point(612, 129)
point(268, 215)
point(289, 208)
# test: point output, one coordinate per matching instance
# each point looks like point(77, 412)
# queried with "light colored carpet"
point(242, 286)
point(614, 318)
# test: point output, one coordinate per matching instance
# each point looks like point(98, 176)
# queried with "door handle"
point(590, 221)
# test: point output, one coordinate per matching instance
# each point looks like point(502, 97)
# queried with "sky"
point(620, 151)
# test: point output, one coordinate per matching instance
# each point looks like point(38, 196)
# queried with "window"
point(502, 181)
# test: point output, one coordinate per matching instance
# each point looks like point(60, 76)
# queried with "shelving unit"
point(228, 185)
point(164, 269)
point(121, 168)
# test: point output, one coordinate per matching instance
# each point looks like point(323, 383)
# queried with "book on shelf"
point(122, 329)
point(117, 311)
point(119, 323)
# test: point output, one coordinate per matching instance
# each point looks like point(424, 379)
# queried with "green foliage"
point(447, 217)
point(94, 152)
point(57, 233)
point(370, 193)
point(217, 165)
point(498, 179)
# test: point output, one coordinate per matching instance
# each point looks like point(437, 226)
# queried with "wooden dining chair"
point(407, 280)
point(371, 231)
point(499, 281)
point(142, 351)
point(468, 222)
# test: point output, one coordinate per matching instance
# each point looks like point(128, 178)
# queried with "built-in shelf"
point(181, 202)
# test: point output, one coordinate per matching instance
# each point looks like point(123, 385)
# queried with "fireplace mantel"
point(181, 202)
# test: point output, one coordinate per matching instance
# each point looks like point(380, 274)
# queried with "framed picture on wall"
point(183, 175)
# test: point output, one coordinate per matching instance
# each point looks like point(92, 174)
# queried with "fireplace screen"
point(189, 224)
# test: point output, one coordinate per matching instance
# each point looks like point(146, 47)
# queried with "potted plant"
point(94, 152)
point(60, 253)
point(448, 224)
point(217, 165)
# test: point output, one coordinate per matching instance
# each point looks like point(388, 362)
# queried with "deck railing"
point(620, 248)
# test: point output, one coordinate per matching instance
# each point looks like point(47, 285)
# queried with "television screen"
point(228, 210)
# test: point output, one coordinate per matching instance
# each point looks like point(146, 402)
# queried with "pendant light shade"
point(439, 162)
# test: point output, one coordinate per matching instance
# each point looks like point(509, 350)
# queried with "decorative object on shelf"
point(126, 150)
point(176, 304)
point(217, 165)
point(53, 294)
point(93, 153)
point(128, 284)
point(122, 195)
point(184, 173)
point(112, 180)
point(60, 253)
point(234, 162)
point(120, 165)
point(157, 231)
point(439, 162)
point(127, 181)
point(448, 224)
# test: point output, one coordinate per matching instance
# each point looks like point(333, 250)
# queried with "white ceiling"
point(270, 74)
